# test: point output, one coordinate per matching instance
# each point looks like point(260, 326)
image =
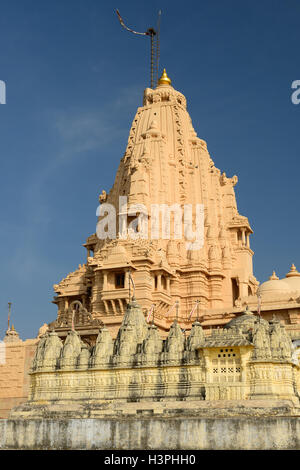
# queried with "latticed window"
point(226, 365)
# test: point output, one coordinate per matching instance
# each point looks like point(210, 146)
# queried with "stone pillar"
point(208, 368)
point(159, 282)
point(243, 366)
point(243, 288)
point(104, 280)
point(126, 281)
point(243, 237)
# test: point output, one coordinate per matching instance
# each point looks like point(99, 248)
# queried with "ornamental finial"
point(164, 79)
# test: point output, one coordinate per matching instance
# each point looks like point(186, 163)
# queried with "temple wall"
point(181, 433)
point(189, 382)
point(14, 378)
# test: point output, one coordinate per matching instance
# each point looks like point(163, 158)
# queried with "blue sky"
point(74, 80)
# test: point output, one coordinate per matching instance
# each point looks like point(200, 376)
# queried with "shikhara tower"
point(165, 163)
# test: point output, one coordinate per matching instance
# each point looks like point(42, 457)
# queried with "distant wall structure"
point(14, 377)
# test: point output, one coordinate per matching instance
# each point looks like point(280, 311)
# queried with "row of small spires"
point(293, 272)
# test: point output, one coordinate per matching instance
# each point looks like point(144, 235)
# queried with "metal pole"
point(9, 312)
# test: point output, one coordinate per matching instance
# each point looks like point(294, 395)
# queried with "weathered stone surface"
point(236, 363)
point(153, 433)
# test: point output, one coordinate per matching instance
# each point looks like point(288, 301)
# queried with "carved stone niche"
point(152, 346)
point(103, 349)
point(84, 357)
point(48, 352)
point(78, 315)
point(174, 344)
point(71, 351)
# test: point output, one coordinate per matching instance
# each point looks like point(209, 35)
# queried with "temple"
point(247, 364)
point(165, 163)
point(149, 320)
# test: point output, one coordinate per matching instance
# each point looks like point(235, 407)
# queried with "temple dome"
point(292, 279)
point(274, 285)
point(245, 321)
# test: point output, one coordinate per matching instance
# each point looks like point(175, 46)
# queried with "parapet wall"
point(14, 378)
point(174, 433)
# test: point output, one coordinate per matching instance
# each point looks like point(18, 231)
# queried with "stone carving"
point(48, 352)
point(84, 357)
point(285, 344)
point(103, 197)
point(125, 344)
point(71, 350)
point(134, 318)
point(196, 337)
point(245, 358)
point(175, 341)
point(43, 329)
point(166, 163)
point(152, 344)
point(39, 353)
point(11, 336)
point(275, 341)
point(103, 348)
point(261, 341)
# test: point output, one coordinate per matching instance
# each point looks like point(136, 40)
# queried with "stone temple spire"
point(165, 162)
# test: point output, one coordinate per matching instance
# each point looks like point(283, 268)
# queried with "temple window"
point(155, 282)
point(163, 282)
point(226, 365)
point(235, 290)
point(119, 280)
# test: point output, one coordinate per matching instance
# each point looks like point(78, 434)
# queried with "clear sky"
point(74, 79)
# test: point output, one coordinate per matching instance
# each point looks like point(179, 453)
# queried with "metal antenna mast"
point(158, 44)
point(9, 313)
point(154, 42)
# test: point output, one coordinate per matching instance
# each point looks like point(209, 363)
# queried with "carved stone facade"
point(100, 350)
point(166, 163)
point(248, 360)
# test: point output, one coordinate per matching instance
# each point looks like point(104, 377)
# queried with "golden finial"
point(13, 328)
point(164, 79)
